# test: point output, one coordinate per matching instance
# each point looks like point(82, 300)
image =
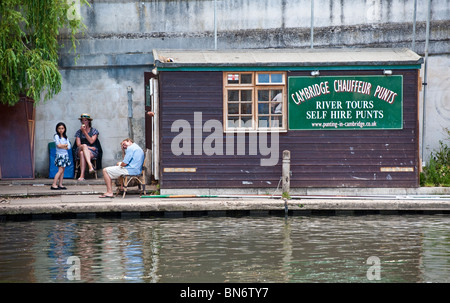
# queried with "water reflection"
point(228, 249)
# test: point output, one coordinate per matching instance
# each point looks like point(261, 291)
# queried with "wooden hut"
point(349, 117)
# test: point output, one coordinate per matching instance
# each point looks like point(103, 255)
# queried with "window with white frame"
point(255, 101)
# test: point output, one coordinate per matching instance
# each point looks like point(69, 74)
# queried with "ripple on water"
point(228, 249)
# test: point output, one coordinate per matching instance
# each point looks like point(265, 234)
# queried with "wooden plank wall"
point(350, 158)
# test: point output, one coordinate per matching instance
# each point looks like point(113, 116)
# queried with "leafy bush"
point(437, 171)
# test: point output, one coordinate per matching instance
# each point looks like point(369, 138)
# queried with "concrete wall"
point(437, 104)
point(101, 92)
point(115, 51)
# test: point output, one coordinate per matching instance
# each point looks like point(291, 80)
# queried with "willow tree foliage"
point(30, 34)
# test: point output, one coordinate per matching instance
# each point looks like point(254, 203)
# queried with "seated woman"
point(88, 146)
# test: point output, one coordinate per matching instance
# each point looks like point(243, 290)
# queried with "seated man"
point(131, 165)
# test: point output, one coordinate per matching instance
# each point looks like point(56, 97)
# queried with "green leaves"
point(29, 46)
point(42, 76)
point(437, 171)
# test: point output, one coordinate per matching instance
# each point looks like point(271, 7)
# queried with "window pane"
point(277, 108)
point(276, 95)
point(233, 78)
point(246, 121)
point(233, 121)
point(263, 78)
point(277, 78)
point(263, 95)
point(233, 95)
point(246, 78)
point(246, 95)
point(246, 108)
point(263, 108)
point(233, 108)
point(263, 121)
point(276, 121)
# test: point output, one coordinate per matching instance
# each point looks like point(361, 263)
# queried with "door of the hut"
point(152, 122)
point(17, 133)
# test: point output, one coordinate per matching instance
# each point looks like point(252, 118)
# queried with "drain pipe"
point(130, 112)
point(427, 38)
point(215, 24)
point(312, 23)
point(413, 46)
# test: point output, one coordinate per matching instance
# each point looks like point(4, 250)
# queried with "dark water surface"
point(379, 248)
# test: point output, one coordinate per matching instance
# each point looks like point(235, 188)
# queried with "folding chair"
point(77, 167)
point(126, 179)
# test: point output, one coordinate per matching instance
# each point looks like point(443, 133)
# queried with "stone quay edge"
point(34, 197)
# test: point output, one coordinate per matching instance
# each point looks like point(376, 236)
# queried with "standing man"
point(131, 165)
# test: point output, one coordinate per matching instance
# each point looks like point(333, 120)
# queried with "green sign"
point(345, 102)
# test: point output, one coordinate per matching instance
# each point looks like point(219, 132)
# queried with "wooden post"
point(286, 168)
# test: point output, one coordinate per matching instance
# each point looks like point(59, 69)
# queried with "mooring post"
point(286, 177)
point(286, 168)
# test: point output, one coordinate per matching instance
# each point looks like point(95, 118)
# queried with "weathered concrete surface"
point(116, 50)
point(37, 199)
point(94, 204)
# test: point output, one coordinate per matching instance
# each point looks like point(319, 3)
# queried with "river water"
point(368, 248)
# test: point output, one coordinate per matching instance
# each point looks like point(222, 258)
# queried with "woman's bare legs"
point(82, 164)
point(85, 158)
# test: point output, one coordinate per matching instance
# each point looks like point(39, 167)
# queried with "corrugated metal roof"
point(285, 57)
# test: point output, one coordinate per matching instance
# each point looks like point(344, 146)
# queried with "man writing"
point(131, 165)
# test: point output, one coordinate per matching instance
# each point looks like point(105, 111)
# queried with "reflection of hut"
point(348, 117)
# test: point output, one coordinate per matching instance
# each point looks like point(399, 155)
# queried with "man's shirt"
point(134, 158)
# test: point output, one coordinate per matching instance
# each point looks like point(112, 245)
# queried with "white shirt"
point(58, 140)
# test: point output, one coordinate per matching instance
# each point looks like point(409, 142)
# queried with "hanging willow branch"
point(29, 46)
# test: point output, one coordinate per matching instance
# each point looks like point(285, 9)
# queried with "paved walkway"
point(34, 198)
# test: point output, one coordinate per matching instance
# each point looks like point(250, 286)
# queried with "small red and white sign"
point(233, 77)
